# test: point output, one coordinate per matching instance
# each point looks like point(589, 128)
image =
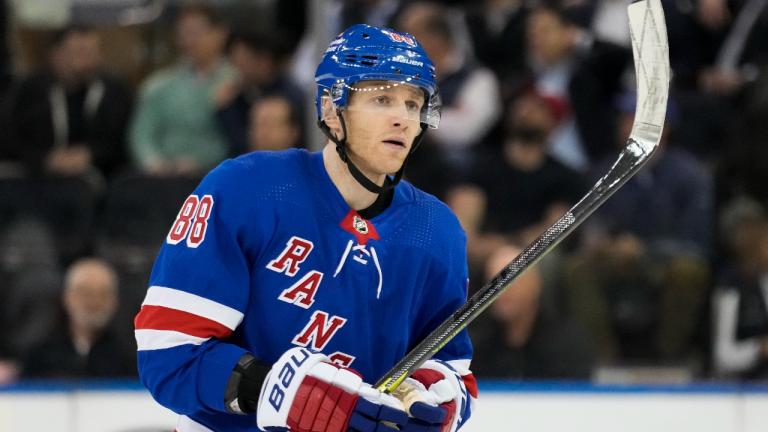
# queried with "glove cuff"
point(454, 379)
point(282, 384)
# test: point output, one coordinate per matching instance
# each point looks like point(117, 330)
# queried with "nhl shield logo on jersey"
point(362, 229)
point(360, 225)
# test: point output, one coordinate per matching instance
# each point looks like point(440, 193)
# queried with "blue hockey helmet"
point(367, 53)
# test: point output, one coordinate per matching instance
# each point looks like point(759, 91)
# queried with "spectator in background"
point(515, 194)
point(729, 43)
point(554, 46)
point(377, 13)
point(259, 61)
point(175, 137)
point(471, 98)
point(516, 340)
point(86, 346)
point(66, 136)
point(733, 43)
point(597, 80)
point(568, 63)
point(70, 118)
point(640, 282)
point(609, 22)
point(740, 298)
point(743, 163)
point(273, 125)
point(339, 15)
point(498, 30)
point(742, 225)
point(174, 131)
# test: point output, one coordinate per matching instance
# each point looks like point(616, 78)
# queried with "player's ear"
point(331, 118)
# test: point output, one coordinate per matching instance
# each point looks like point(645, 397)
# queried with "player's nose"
point(400, 116)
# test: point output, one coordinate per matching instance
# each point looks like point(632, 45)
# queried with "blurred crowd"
point(670, 274)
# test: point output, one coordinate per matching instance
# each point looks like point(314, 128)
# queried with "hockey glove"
point(435, 396)
point(306, 392)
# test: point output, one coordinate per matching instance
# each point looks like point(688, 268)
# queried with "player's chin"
point(390, 164)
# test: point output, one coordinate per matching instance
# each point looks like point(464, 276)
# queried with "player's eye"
point(381, 100)
point(412, 106)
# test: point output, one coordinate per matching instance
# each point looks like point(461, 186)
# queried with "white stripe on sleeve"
point(183, 301)
point(161, 339)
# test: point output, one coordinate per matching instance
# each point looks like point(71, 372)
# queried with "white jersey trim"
point(188, 425)
point(184, 301)
point(147, 339)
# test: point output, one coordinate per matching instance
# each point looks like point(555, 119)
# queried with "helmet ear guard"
point(326, 108)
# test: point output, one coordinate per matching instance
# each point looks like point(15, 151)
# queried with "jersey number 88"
point(194, 214)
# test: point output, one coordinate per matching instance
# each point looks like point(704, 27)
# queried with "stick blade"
point(651, 54)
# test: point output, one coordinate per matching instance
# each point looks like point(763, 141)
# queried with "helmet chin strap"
point(341, 149)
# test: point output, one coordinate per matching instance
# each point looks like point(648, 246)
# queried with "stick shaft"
point(630, 160)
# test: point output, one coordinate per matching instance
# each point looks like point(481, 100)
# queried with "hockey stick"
point(651, 55)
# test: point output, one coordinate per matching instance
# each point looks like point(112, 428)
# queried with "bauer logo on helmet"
point(402, 59)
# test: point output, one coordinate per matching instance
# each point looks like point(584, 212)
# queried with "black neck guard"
point(382, 203)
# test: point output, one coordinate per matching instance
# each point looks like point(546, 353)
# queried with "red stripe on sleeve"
point(163, 318)
point(471, 384)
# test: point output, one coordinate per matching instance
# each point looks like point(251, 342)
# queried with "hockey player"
point(291, 279)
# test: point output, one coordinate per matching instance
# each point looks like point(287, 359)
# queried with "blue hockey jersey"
point(266, 255)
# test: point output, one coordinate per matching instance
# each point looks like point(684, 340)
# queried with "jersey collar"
point(403, 195)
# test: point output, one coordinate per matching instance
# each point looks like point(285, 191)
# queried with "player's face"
point(382, 121)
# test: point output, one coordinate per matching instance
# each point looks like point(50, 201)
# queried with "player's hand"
point(435, 397)
point(305, 392)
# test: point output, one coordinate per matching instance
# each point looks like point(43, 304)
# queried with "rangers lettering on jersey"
point(302, 293)
point(319, 330)
point(296, 251)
